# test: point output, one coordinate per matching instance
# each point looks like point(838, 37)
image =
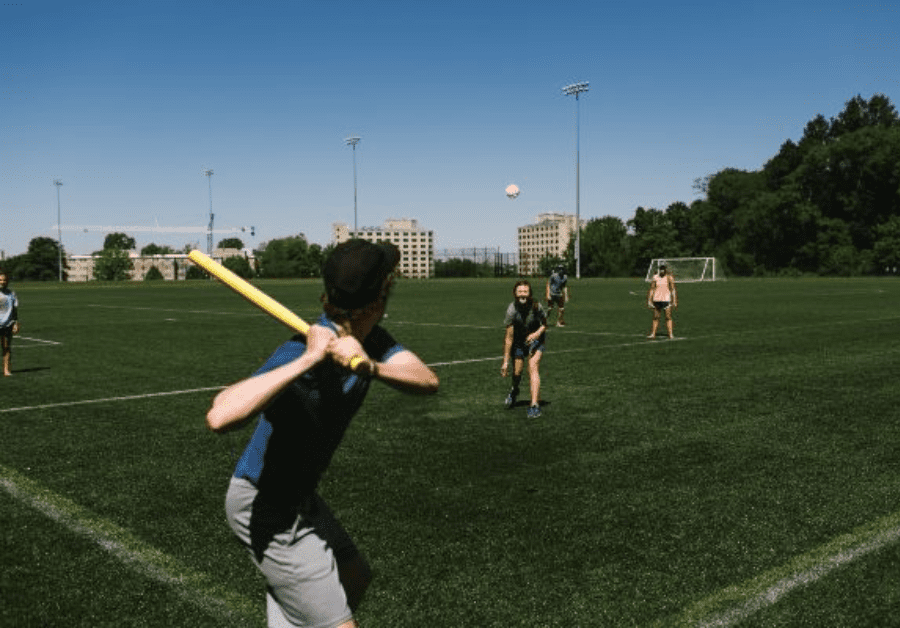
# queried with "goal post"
point(686, 269)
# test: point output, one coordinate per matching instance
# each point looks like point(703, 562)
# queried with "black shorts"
point(559, 300)
point(660, 305)
point(6, 332)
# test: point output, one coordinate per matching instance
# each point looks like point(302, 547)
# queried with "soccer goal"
point(686, 268)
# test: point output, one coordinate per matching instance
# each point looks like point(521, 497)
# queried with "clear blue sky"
point(126, 102)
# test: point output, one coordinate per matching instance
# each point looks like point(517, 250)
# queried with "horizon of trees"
point(828, 204)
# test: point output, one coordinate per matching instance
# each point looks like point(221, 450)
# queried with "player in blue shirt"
point(558, 294)
point(9, 321)
point(305, 396)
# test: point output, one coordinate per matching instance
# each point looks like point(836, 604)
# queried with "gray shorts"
point(298, 555)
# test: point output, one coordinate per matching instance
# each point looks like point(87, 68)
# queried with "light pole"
point(353, 141)
point(58, 185)
point(574, 90)
point(209, 234)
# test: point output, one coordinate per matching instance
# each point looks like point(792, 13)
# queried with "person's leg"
point(356, 576)
point(300, 557)
point(518, 365)
point(534, 374)
point(6, 348)
point(275, 618)
point(655, 323)
point(669, 322)
point(561, 319)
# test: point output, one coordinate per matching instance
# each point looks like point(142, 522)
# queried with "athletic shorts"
point(556, 299)
point(520, 351)
point(6, 332)
point(660, 305)
point(298, 555)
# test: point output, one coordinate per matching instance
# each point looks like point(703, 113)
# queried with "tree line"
point(828, 204)
point(280, 258)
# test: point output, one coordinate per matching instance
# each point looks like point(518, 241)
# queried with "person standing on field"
point(526, 325)
point(558, 294)
point(305, 396)
point(9, 321)
point(662, 297)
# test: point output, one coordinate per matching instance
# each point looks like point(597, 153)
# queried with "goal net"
point(686, 269)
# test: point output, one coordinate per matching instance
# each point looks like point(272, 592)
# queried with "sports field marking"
point(646, 342)
point(108, 399)
point(494, 327)
point(500, 328)
point(195, 587)
point(36, 342)
point(177, 310)
point(734, 604)
point(212, 388)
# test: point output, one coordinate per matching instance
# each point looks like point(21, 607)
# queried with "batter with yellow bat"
point(304, 397)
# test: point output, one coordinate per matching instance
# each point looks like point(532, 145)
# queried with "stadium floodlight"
point(209, 233)
point(574, 90)
point(58, 184)
point(353, 141)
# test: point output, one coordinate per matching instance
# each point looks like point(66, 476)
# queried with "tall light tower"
point(58, 185)
point(574, 90)
point(353, 141)
point(209, 234)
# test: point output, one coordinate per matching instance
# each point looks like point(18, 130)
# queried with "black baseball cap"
point(355, 272)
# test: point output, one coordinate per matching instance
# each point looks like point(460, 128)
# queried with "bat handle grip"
point(357, 360)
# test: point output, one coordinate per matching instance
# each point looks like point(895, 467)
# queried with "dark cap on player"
point(356, 270)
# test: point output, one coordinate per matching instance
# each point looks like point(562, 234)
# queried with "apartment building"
point(173, 266)
point(548, 235)
point(416, 245)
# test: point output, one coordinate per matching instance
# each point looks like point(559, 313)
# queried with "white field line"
point(177, 310)
point(195, 587)
point(39, 342)
point(251, 312)
point(578, 350)
point(211, 388)
point(500, 328)
point(734, 604)
point(108, 399)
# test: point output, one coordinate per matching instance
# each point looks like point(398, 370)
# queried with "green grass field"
point(747, 473)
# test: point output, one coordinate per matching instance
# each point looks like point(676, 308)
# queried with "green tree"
point(239, 265)
point(886, 251)
point(119, 241)
point(112, 265)
point(155, 249)
point(858, 113)
point(153, 274)
point(605, 249)
point(195, 272)
point(548, 263)
point(290, 257)
point(41, 261)
point(653, 235)
point(455, 267)
point(231, 243)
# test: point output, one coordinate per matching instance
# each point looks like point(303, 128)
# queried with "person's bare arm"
point(240, 402)
point(507, 351)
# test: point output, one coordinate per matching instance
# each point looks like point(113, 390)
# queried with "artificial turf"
point(660, 474)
